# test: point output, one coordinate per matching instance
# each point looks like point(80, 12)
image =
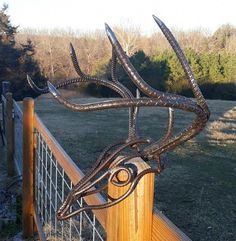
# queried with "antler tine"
point(35, 87)
point(52, 89)
point(134, 119)
point(184, 62)
point(113, 66)
point(168, 133)
point(132, 110)
point(77, 67)
point(138, 96)
point(170, 125)
point(124, 102)
point(75, 62)
point(92, 106)
point(110, 34)
point(74, 107)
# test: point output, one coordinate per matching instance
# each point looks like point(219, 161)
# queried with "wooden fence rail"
point(70, 168)
point(133, 219)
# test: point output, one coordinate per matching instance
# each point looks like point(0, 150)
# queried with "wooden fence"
point(49, 174)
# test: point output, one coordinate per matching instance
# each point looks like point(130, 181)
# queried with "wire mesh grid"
point(51, 187)
point(18, 137)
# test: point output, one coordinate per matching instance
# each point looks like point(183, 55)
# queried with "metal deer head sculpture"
point(107, 165)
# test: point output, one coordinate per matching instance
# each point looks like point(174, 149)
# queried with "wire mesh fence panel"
point(18, 137)
point(52, 185)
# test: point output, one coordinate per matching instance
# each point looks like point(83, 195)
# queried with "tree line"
point(45, 55)
point(16, 59)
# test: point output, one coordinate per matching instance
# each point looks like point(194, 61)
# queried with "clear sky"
point(88, 15)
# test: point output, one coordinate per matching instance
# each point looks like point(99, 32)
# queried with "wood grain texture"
point(164, 230)
point(131, 219)
point(28, 168)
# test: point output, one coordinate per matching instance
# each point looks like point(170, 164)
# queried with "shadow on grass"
point(201, 182)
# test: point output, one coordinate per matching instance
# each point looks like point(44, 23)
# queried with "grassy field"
point(198, 189)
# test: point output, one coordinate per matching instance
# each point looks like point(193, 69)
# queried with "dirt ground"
point(3, 172)
point(9, 195)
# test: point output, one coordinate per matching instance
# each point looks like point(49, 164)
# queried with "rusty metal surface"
point(106, 167)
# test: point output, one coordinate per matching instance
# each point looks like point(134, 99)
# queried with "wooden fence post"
point(28, 167)
point(9, 134)
point(5, 89)
point(131, 219)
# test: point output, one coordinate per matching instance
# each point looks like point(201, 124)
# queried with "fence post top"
point(28, 100)
point(9, 94)
point(5, 87)
point(5, 83)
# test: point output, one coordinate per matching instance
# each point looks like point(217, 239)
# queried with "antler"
point(159, 147)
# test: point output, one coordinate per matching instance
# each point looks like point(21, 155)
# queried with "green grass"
point(198, 189)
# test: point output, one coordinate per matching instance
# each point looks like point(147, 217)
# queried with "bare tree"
point(129, 37)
